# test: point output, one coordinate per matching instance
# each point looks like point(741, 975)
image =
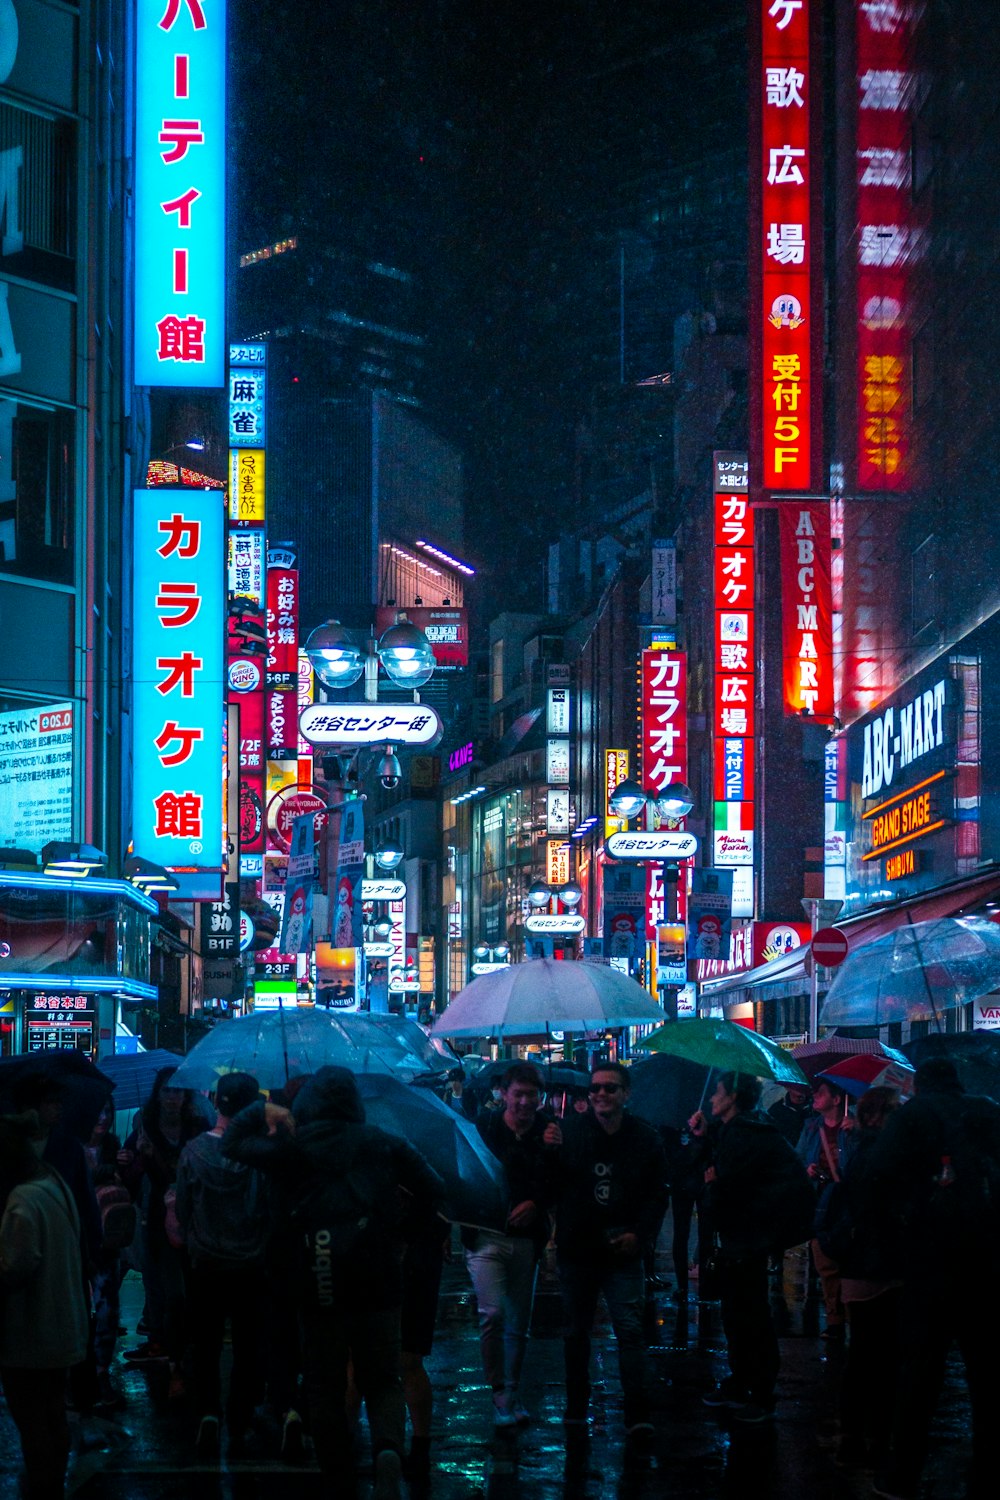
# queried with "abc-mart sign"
point(667, 843)
point(356, 724)
point(555, 924)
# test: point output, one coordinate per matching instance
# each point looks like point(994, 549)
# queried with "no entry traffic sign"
point(830, 947)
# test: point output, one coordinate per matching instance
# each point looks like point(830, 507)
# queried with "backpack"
point(347, 1218)
point(962, 1201)
point(118, 1216)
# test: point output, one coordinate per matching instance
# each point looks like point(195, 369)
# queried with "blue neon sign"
point(180, 193)
point(178, 677)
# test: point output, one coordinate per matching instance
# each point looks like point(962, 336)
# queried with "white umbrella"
point(545, 995)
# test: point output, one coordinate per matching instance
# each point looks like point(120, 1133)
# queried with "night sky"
point(505, 154)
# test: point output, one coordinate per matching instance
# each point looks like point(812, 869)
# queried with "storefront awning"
point(787, 976)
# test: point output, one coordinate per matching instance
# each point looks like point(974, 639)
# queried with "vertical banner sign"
point(178, 631)
point(664, 718)
point(615, 772)
point(282, 627)
point(888, 242)
point(806, 608)
point(247, 395)
point(180, 192)
point(663, 583)
point(346, 927)
point(788, 255)
point(733, 707)
point(296, 915)
point(305, 696)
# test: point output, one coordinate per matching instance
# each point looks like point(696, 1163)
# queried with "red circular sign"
point(287, 805)
point(830, 947)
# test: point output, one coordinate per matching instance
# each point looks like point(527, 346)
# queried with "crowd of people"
point(318, 1239)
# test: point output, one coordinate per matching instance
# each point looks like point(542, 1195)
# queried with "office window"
point(36, 492)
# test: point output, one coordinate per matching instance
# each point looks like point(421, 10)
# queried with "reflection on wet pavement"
point(147, 1454)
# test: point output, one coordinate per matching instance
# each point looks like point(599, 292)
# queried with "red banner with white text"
point(806, 608)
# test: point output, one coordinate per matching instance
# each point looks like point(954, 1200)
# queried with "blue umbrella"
point(914, 973)
point(132, 1074)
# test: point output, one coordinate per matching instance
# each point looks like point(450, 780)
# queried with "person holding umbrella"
point(824, 1149)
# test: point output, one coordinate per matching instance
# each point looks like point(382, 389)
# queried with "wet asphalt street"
point(147, 1453)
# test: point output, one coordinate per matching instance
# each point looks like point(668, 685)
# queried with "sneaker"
point(145, 1354)
point(388, 1476)
point(207, 1441)
point(752, 1415)
point(725, 1395)
point(292, 1439)
point(504, 1413)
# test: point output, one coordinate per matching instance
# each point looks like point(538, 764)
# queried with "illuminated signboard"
point(282, 626)
point(615, 772)
point(246, 487)
point(888, 242)
point(787, 250)
point(735, 670)
point(180, 192)
point(178, 683)
point(246, 548)
point(36, 775)
point(247, 395)
point(806, 608)
point(664, 718)
point(903, 819)
point(557, 863)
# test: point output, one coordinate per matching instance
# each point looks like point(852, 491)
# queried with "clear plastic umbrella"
point(542, 996)
point(915, 973)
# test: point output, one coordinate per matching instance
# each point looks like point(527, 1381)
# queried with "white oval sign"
point(667, 843)
point(379, 950)
point(370, 724)
point(551, 922)
point(487, 968)
point(383, 890)
point(397, 983)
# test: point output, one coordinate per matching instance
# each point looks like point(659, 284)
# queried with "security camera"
point(389, 772)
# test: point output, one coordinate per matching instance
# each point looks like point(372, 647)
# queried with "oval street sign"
point(555, 923)
point(379, 950)
point(666, 843)
point(370, 724)
point(383, 890)
point(830, 947)
point(487, 968)
point(400, 985)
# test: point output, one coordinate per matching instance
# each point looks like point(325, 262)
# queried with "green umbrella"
point(727, 1047)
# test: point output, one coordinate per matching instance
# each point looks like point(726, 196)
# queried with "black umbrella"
point(84, 1089)
point(475, 1188)
point(976, 1055)
point(666, 1090)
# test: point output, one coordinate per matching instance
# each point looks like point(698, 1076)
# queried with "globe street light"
point(539, 894)
point(406, 655)
point(335, 655)
point(389, 854)
point(569, 894)
point(403, 651)
point(627, 800)
point(675, 800)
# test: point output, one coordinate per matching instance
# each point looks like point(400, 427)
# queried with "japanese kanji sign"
point(246, 487)
point(247, 395)
point(282, 627)
point(789, 244)
point(370, 724)
point(180, 192)
point(664, 718)
point(734, 696)
point(806, 610)
point(178, 631)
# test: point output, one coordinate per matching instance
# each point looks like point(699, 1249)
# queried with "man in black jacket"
point(503, 1265)
point(751, 1173)
point(611, 1199)
point(341, 1184)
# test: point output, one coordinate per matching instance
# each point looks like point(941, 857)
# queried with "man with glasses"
point(610, 1202)
point(503, 1266)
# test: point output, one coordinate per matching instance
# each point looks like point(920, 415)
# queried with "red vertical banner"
point(807, 609)
point(664, 719)
point(282, 627)
point(786, 179)
point(888, 242)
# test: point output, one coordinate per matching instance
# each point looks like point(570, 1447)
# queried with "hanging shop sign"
point(370, 724)
point(383, 889)
point(615, 772)
point(282, 620)
point(664, 844)
point(180, 192)
point(246, 549)
point(378, 950)
point(555, 923)
point(247, 505)
point(557, 862)
point(247, 395)
point(806, 608)
point(664, 718)
point(663, 582)
point(557, 812)
point(287, 805)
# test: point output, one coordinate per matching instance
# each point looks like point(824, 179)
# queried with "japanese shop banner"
point(247, 395)
point(247, 496)
point(297, 912)
point(282, 627)
point(787, 254)
point(664, 718)
point(710, 909)
point(36, 775)
point(179, 677)
point(180, 192)
point(246, 549)
point(806, 608)
point(346, 926)
point(615, 772)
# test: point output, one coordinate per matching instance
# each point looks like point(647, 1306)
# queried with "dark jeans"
point(751, 1342)
point(346, 1327)
point(36, 1400)
point(623, 1289)
point(220, 1290)
point(164, 1277)
point(950, 1307)
point(871, 1371)
point(682, 1207)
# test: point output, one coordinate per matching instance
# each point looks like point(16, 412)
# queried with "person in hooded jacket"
point(219, 1208)
point(342, 1183)
point(44, 1318)
point(749, 1169)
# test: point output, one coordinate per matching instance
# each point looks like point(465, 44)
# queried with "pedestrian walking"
point(687, 1190)
point(792, 1111)
point(760, 1202)
point(118, 1221)
point(824, 1148)
point(503, 1264)
point(459, 1096)
point(935, 1175)
point(342, 1182)
point(220, 1209)
point(611, 1197)
point(44, 1317)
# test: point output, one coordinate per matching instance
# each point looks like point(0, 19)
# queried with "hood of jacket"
point(330, 1097)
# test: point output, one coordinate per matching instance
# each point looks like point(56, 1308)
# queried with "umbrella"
point(85, 1090)
point(856, 1075)
point(666, 1090)
point(544, 995)
point(132, 1074)
point(275, 1045)
point(914, 973)
point(401, 1038)
point(813, 1057)
point(976, 1055)
point(727, 1047)
point(475, 1187)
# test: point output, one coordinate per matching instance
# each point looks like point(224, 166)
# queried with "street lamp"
point(389, 855)
point(539, 894)
point(627, 800)
point(403, 652)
